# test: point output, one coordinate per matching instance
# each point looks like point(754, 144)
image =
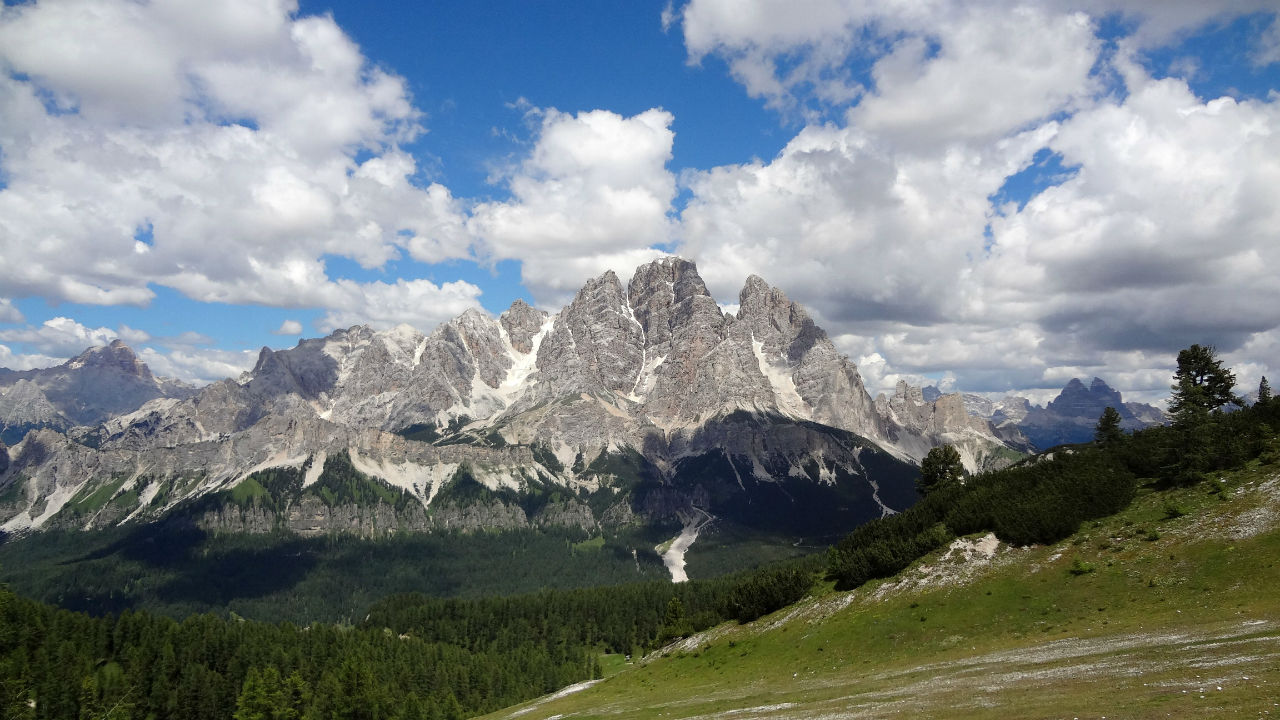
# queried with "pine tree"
point(1264, 391)
point(1201, 385)
point(940, 468)
point(1107, 431)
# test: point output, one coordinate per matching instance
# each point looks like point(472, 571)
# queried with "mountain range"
point(1069, 418)
point(638, 405)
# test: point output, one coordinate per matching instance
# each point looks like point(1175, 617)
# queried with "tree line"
point(413, 656)
point(1044, 499)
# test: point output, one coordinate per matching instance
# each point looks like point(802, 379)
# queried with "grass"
point(92, 499)
point(592, 544)
point(613, 663)
point(1173, 609)
point(245, 492)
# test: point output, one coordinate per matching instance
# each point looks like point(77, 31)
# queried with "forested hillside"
point(411, 657)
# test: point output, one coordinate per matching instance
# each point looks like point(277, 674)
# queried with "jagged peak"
point(473, 315)
point(676, 273)
point(264, 356)
point(520, 307)
point(605, 286)
point(114, 354)
point(755, 286)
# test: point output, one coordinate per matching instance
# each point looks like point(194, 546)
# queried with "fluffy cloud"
point(593, 194)
point(289, 327)
point(815, 58)
point(886, 224)
point(850, 227)
point(25, 361)
point(207, 147)
point(198, 366)
point(1165, 236)
point(9, 313)
point(62, 337)
point(381, 305)
point(989, 75)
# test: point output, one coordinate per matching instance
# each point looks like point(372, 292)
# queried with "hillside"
point(1167, 609)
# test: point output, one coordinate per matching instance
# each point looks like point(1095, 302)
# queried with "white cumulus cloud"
point(593, 194)
point(221, 149)
point(888, 223)
point(289, 327)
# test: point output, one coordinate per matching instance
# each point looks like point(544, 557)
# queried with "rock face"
point(633, 405)
point(1072, 416)
point(100, 383)
point(522, 323)
point(949, 419)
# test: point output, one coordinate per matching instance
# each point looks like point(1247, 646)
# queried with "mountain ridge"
point(649, 392)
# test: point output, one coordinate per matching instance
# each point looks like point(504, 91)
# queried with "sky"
point(989, 196)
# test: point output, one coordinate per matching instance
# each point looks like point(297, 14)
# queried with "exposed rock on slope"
point(947, 420)
point(640, 404)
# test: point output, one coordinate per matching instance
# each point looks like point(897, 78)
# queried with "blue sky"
point(993, 196)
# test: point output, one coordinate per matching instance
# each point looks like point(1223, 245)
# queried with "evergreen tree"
point(940, 468)
point(674, 623)
point(1264, 391)
point(1107, 431)
point(1200, 385)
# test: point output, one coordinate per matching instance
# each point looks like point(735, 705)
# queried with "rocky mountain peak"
point(665, 295)
point(596, 343)
point(910, 392)
point(114, 356)
point(522, 323)
point(1076, 400)
point(784, 327)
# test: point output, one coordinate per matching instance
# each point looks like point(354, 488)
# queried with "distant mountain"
point(948, 419)
point(1072, 416)
point(100, 383)
point(638, 405)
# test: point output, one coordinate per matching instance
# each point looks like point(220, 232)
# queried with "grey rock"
point(98, 384)
point(595, 346)
point(522, 323)
point(654, 370)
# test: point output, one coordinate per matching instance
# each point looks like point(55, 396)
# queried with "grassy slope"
point(1173, 609)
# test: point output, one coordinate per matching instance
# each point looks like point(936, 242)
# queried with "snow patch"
point(784, 387)
point(523, 365)
point(647, 378)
